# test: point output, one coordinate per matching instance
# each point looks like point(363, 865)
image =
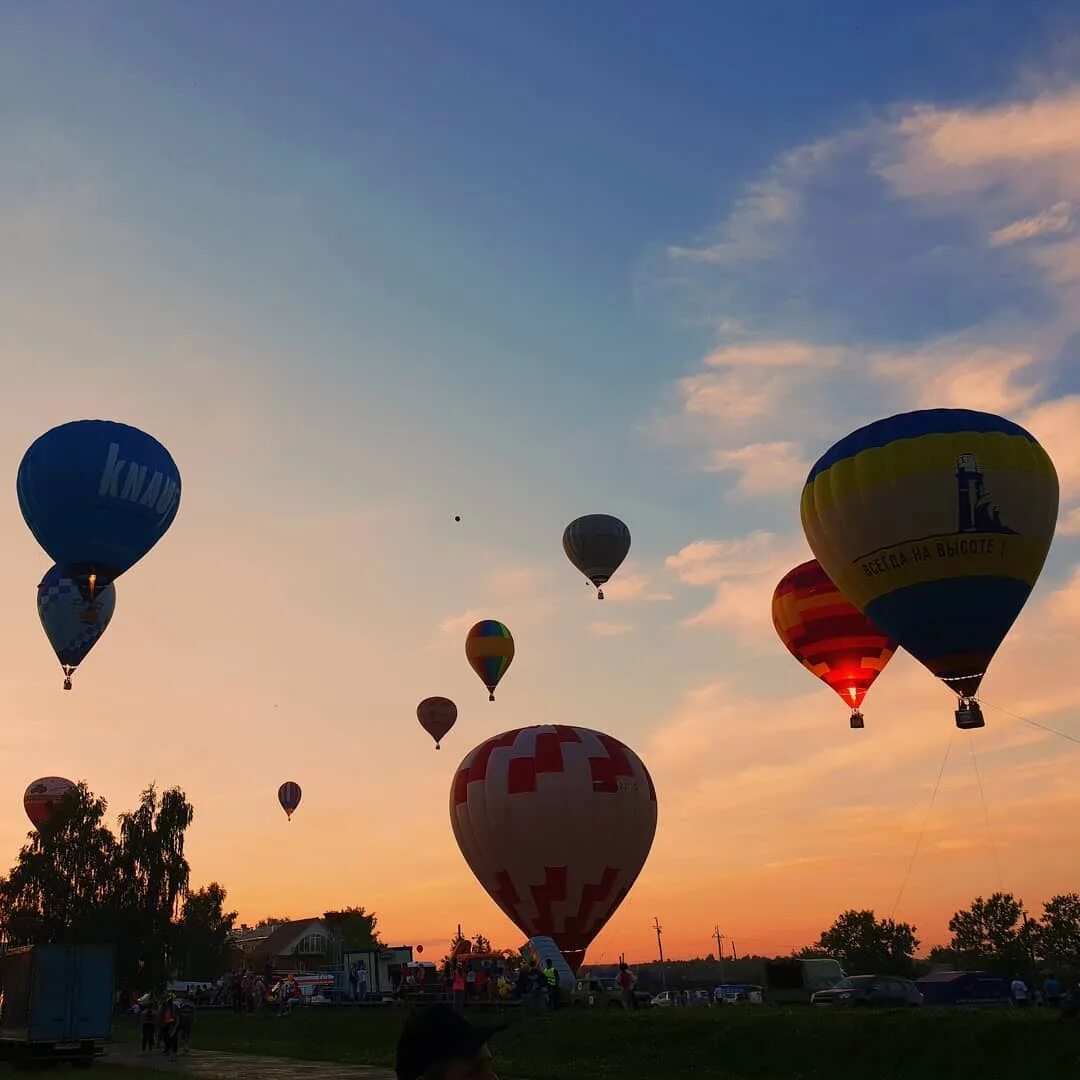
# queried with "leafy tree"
point(1059, 934)
point(76, 881)
point(154, 879)
point(62, 887)
point(866, 945)
point(355, 927)
point(995, 933)
point(204, 933)
point(481, 944)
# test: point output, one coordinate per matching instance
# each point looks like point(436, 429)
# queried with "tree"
point(62, 887)
point(481, 944)
point(154, 879)
point(204, 933)
point(355, 928)
point(1059, 934)
point(866, 945)
point(76, 881)
point(996, 934)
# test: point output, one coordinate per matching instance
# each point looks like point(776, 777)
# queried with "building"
point(299, 945)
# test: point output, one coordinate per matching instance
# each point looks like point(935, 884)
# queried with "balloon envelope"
point(72, 623)
point(42, 797)
point(827, 634)
point(556, 823)
point(489, 648)
point(289, 795)
point(97, 495)
point(596, 544)
point(437, 716)
point(935, 524)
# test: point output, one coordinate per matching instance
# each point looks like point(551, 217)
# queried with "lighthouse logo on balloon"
point(556, 823)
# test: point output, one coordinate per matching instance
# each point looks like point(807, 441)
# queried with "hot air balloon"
point(935, 525)
point(489, 648)
point(43, 796)
point(556, 823)
point(97, 496)
point(289, 796)
point(71, 622)
point(437, 716)
point(828, 636)
point(596, 544)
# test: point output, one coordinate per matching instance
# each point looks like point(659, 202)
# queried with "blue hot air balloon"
point(97, 495)
point(72, 623)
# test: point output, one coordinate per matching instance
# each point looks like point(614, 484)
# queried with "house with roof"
point(299, 945)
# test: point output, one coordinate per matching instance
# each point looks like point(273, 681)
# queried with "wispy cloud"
point(1054, 219)
point(743, 573)
point(764, 468)
point(609, 628)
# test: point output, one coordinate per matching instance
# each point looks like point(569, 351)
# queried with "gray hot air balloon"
point(596, 544)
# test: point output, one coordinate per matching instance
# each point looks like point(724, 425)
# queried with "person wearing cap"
point(437, 1043)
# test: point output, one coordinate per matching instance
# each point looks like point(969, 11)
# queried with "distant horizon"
point(368, 270)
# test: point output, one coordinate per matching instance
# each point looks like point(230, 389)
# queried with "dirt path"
point(215, 1065)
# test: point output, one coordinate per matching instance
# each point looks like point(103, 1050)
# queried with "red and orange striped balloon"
point(827, 634)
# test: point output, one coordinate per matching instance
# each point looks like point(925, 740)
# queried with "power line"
point(922, 831)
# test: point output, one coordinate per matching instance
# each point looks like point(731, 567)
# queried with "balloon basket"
point(857, 720)
point(969, 716)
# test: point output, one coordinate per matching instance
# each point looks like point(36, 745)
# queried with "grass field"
point(741, 1043)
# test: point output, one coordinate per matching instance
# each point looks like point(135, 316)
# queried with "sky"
point(364, 267)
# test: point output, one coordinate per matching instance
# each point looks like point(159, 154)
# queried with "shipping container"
point(56, 1001)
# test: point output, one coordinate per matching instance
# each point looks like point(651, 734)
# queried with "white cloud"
point(1054, 219)
point(1056, 424)
point(772, 354)
point(955, 374)
point(1069, 523)
point(631, 585)
point(764, 468)
point(743, 572)
point(765, 206)
point(1033, 146)
point(461, 623)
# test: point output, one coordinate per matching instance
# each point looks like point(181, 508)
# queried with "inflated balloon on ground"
point(556, 823)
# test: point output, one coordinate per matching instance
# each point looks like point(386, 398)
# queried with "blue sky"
point(363, 267)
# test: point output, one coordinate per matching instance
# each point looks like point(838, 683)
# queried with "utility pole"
point(719, 950)
point(660, 948)
point(734, 954)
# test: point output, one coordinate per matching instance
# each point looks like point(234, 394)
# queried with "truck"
point(56, 1002)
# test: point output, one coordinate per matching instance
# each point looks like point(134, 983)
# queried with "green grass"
point(741, 1043)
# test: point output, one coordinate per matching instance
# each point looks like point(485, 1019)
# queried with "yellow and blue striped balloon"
point(935, 525)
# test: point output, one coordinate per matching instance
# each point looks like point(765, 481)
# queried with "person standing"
point(149, 1019)
point(361, 981)
point(1051, 992)
point(170, 1025)
point(552, 978)
point(458, 989)
point(625, 982)
point(1019, 993)
point(352, 982)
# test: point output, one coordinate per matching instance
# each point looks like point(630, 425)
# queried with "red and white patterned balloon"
point(556, 823)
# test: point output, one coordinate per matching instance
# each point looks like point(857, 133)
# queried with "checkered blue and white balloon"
point(72, 623)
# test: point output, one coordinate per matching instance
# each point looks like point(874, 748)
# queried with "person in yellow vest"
point(552, 977)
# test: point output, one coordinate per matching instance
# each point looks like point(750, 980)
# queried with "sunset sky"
point(363, 267)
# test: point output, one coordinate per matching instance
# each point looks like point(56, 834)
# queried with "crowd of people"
point(167, 1023)
point(493, 981)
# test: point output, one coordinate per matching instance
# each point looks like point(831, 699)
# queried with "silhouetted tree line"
point(996, 934)
point(78, 881)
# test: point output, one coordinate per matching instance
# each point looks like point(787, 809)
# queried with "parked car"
point(739, 994)
point(965, 989)
point(605, 995)
point(883, 991)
